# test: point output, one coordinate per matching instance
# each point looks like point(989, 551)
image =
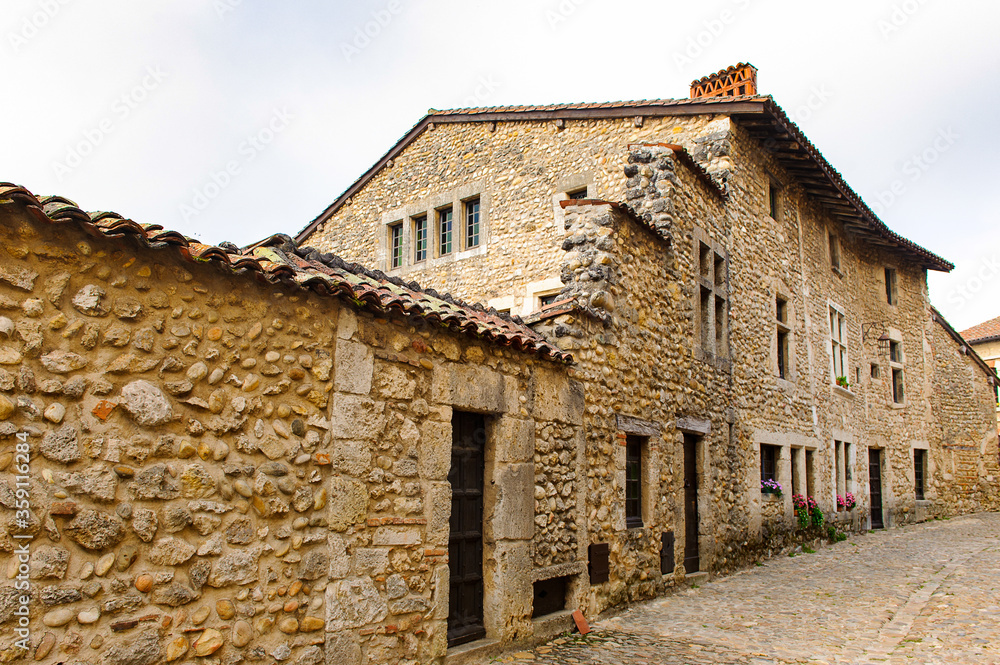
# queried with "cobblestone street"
point(924, 594)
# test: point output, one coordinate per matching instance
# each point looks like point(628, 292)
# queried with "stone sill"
point(896, 405)
point(843, 392)
point(774, 498)
point(785, 384)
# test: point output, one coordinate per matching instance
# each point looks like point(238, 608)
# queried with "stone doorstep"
point(481, 651)
point(699, 578)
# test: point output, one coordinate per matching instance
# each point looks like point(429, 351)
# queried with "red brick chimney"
point(739, 79)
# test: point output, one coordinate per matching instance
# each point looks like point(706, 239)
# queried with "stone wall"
point(231, 471)
point(648, 357)
point(520, 183)
point(963, 464)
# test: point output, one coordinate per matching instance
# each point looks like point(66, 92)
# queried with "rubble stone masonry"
point(673, 322)
point(223, 470)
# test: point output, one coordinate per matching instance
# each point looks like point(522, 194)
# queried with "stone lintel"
point(694, 425)
point(560, 570)
point(633, 425)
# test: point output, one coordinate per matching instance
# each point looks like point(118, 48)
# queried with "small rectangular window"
point(838, 346)
point(633, 482)
point(897, 385)
point(444, 231)
point(706, 314)
point(547, 299)
point(834, 250)
point(876, 371)
point(396, 245)
point(472, 223)
point(890, 286)
point(781, 313)
point(919, 468)
point(578, 194)
point(895, 352)
point(768, 463)
point(720, 325)
point(704, 260)
point(420, 238)
point(773, 206)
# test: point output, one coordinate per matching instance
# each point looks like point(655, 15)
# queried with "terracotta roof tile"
point(984, 332)
point(279, 260)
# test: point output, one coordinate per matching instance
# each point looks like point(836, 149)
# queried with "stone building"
point(984, 339)
point(220, 456)
point(736, 313)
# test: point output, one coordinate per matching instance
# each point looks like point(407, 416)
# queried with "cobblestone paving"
point(922, 594)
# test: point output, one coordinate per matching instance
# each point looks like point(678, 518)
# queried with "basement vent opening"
point(550, 596)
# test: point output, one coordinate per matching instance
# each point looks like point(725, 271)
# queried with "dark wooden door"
point(875, 486)
point(465, 545)
point(691, 562)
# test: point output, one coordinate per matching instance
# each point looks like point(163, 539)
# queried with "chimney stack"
point(739, 79)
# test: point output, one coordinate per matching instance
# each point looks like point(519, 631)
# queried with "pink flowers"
point(846, 502)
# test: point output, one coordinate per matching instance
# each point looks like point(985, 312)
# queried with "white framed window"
point(896, 365)
point(838, 347)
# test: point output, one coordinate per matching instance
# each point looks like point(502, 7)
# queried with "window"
point(890, 286)
point(896, 363)
point(578, 194)
point(768, 463)
point(633, 482)
point(838, 346)
point(420, 238)
point(472, 223)
point(783, 331)
point(842, 467)
point(834, 251)
point(547, 299)
point(773, 204)
point(444, 231)
point(897, 386)
point(876, 371)
point(396, 245)
point(713, 303)
point(919, 472)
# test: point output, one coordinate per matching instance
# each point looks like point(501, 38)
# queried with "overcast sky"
point(235, 119)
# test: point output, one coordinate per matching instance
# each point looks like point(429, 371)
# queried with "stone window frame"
point(781, 292)
point(649, 434)
point(535, 291)
point(842, 343)
point(775, 453)
point(924, 448)
point(897, 368)
point(890, 280)
point(844, 454)
point(835, 251)
point(570, 183)
point(716, 285)
point(430, 206)
point(773, 198)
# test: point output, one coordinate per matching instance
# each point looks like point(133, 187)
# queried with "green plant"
point(817, 517)
point(834, 534)
point(843, 383)
point(808, 550)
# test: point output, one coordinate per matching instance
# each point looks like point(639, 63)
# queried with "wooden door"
point(691, 560)
point(465, 544)
point(875, 486)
